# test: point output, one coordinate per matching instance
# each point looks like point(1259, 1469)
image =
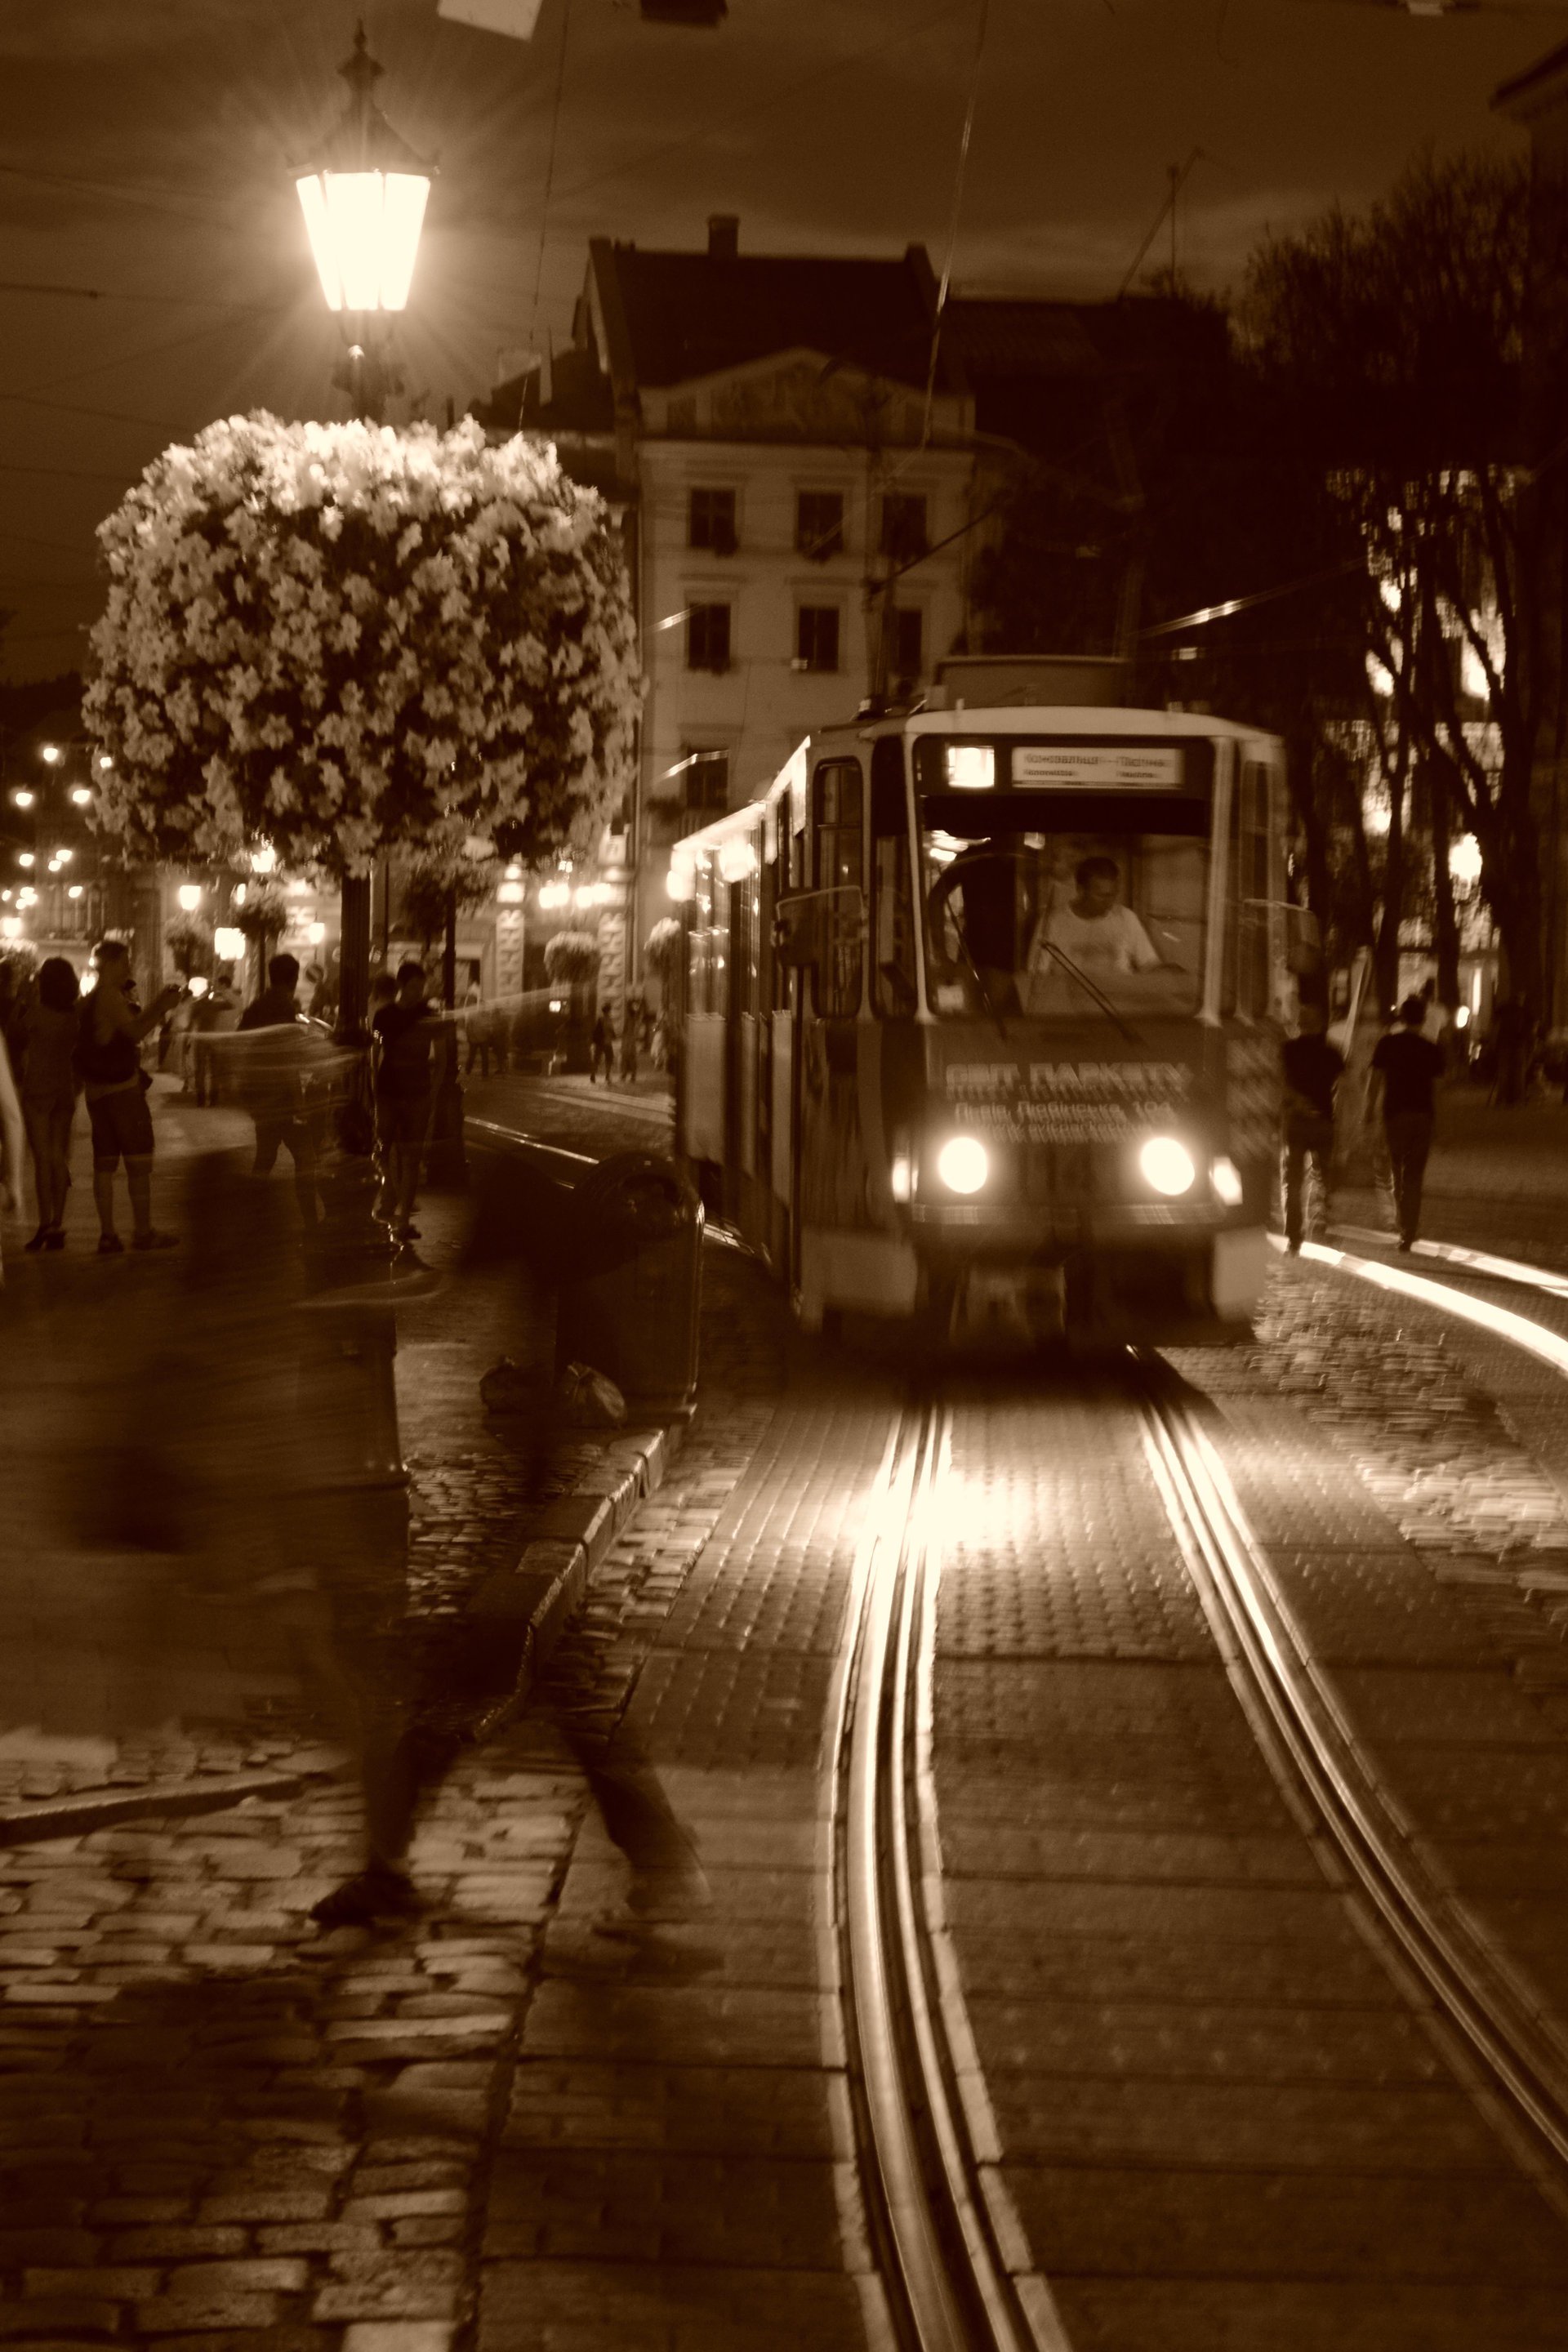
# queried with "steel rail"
point(950, 2287)
point(1272, 1663)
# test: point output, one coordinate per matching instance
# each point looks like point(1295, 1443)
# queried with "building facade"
point(798, 484)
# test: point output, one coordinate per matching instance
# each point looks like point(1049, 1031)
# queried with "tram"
point(983, 1013)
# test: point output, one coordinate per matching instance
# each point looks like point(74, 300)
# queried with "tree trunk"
point(1386, 950)
point(1445, 921)
point(353, 960)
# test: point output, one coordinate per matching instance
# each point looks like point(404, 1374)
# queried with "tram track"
point(954, 2256)
point(1312, 1748)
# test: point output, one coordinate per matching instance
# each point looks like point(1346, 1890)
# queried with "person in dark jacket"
point(1312, 1070)
point(1406, 1067)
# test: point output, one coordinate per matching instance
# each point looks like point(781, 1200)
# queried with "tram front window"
point(1055, 905)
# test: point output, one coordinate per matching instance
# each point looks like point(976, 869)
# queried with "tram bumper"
point(1133, 1273)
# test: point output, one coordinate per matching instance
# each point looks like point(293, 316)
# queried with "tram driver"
point(1094, 932)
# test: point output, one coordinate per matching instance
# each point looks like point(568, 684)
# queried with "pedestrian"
point(404, 1032)
point(629, 1042)
point(49, 1084)
point(111, 1028)
point(1406, 1067)
point(1312, 1069)
point(216, 1012)
point(1513, 1035)
point(13, 1145)
point(601, 1048)
point(478, 1031)
point(271, 1076)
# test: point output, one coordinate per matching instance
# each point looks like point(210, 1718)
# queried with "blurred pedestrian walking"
point(48, 1033)
point(404, 1032)
point(1406, 1067)
point(272, 1077)
point(1312, 1070)
point(601, 1048)
point(111, 1028)
point(629, 1036)
point(12, 1143)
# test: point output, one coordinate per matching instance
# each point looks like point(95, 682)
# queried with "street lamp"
point(364, 207)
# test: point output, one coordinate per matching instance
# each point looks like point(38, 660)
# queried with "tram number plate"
point(1113, 766)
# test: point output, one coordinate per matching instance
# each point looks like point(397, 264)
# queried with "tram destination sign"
point(1109, 767)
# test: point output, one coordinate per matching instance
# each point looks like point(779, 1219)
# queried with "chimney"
point(723, 237)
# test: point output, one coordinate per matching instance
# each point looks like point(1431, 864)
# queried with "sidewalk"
point(1497, 1179)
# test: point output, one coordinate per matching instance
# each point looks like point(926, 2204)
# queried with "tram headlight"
point(1226, 1178)
point(963, 1164)
point(1167, 1165)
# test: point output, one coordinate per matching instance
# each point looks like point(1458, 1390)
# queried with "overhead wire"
point(958, 179)
point(550, 167)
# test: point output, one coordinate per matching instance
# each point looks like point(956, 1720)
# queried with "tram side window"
point(748, 939)
point(837, 814)
point(699, 936)
point(894, 914)
point(1246, 943)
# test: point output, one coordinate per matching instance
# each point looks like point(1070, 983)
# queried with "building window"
point(903, 526)
point(819, 524)
point(909, 642)
point(708, 636)
point(816, 637)
point(705, 783)
point(711, 521)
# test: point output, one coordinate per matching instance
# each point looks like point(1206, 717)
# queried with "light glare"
point(963, 1164)
point(1167, 1165)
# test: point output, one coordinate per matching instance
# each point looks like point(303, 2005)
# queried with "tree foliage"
point(1392, 345)
point(339, 637)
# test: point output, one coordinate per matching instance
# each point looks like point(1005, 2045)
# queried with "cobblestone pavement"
point(1223, 2121)
point(526, 2120)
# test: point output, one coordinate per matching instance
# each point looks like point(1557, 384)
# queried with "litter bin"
point(631, 1291)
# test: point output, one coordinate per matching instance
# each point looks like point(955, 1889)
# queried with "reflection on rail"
point(954, 2256)
point(1317, 1758)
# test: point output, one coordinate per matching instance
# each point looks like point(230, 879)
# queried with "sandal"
point(40, 1240)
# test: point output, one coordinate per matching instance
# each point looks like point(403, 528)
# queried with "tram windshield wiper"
point(979, 981)
point(1133, 1037)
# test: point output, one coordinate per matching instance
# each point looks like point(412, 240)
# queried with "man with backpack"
point(108, 1061)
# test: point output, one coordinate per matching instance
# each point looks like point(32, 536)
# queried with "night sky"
point(145, 149)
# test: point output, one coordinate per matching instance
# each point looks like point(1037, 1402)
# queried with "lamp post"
point(364, 204)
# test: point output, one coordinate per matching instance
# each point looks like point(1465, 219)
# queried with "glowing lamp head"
point(51, 755)
point(26, 857)
point(1226, 1178)
point(75, 890)
point(365, 203)
point(197, 984)
point(1168, 1166)
point(23, 798)
point(189, 895)
point(963, 1164)
point(80, 796)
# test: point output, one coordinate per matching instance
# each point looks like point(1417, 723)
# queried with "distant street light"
point(189, 895)
point(364, 207)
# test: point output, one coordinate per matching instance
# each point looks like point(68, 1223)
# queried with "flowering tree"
point(342, 637)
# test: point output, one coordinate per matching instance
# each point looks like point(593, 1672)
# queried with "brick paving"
point(500, 2123)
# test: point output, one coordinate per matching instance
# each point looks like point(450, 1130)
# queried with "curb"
point(99, 1809)
point(518, 1615)
point(513, 1622)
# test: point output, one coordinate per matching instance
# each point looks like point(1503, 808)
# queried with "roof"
point(687, 315)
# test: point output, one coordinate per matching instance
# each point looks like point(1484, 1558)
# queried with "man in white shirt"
point(1102, 937)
